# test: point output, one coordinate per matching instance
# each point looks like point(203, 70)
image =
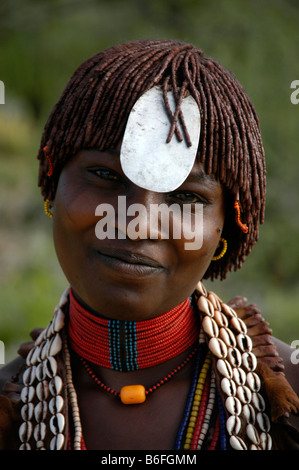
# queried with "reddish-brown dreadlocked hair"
point(93, 109)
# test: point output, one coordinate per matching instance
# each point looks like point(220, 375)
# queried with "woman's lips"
point(129, 262)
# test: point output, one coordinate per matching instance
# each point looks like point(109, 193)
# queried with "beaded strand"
point(185, 419)
point(222, 424)
point(197, 401)
point(130, 345)
point(78, 437)
point(208, 412)
point(151, 389)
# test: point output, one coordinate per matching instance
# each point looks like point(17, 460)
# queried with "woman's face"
point(128, 275)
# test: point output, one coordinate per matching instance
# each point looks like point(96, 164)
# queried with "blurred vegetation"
point(41, 44)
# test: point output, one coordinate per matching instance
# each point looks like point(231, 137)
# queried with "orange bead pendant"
point(132, 394)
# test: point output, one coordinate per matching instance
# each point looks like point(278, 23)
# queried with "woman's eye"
point(105, 174)
point(191, 198)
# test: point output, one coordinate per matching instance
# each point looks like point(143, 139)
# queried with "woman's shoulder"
point(9, 372)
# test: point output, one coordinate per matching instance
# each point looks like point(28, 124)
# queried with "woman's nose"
point(142, 215)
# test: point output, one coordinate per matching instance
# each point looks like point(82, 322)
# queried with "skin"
point(123, 290)
point(108, 285)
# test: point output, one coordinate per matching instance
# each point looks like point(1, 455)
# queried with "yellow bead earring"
point(223, 251)
point(46, 208)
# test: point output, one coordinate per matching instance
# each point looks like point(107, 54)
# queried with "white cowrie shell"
point(237, 443)
point(29, 356)
point(233, 425)
point(252, 434)
point(214, 299)
point(233, 405)
point(42, 390)
point(56, 404)
point(55, 345)
point(218, 347)
point(40, 338)
point(258, 401)
point(27, 394)
point(228, 337)
point(201, 289)
point(63, 298)
point(40, 411)
point(224, 368)
point(253, 381)
point(50, 330)
point(220, 319)
point(40, 432)
point(239, 376)
point(29, 375)
point(25, 431)
point(40, 372)
point(205, 306)
point(25, 446)
point(57, 442)
point(228, 386)
point(234, 357)
point(44, 350)
point(238, 324)
point(244, 394)
point(263, 422)
point(249, 361)
point(40, 445)
point(244, 342)
point(58, 321)
point(50, 366)
point(36, 355)
point(210, 327)
point(27, 411)
point(55, 385)
point(249, 413)
point(265, 441)
point(228, 310)
point(57, 423)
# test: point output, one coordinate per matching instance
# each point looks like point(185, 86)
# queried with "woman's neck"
point(130, 345)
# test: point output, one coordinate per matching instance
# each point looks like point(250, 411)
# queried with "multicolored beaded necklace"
point(128, 345)
point(203, 423)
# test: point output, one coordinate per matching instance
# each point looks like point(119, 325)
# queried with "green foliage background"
point(41, 44)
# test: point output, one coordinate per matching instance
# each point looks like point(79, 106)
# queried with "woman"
point(139, 355)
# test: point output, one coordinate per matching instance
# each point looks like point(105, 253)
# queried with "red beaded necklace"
point(136, 394)
point(130, 345)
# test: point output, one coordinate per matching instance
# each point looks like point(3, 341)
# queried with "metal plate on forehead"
point(146, 159)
